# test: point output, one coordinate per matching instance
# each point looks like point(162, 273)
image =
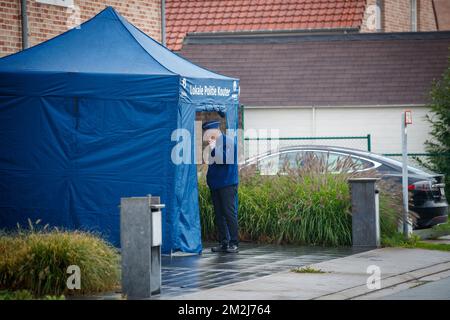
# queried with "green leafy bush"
point(308, 206)
point(37, 261)
point(439, 144)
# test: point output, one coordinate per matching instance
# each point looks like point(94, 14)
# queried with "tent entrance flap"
point(187, 215)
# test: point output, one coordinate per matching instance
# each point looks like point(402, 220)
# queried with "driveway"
point(184, 274)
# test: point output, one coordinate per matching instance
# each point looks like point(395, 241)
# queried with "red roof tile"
point(184, 16)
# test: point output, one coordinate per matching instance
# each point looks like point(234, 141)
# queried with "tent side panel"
point(68, 161)
point(36, 141)
point(123, 150)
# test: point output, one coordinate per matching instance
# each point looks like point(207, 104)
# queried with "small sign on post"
point(408, 117)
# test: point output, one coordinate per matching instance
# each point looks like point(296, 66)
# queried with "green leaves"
point(439, 145)
point(281, 209)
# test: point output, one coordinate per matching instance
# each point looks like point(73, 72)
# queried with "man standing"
point(222, 179)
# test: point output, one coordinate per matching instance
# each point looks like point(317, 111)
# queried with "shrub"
point(391, 208)
point(37, 261)
point(439, 144)
point(307, 206)
point(283, 210)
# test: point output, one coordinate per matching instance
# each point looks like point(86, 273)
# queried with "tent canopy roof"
point(105, 44)
point(89, 117)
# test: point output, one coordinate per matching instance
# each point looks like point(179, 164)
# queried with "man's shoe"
point(233, 249)
point(221, 248)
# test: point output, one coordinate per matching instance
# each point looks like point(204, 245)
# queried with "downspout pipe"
point(163, 22)
point(24, 20)
point(380, 20)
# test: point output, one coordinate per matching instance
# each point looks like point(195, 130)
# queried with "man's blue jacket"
point(223, 170)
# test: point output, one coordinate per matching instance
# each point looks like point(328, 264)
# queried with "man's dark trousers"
point(225, 209)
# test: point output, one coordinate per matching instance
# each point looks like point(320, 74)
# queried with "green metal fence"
point(255, 146)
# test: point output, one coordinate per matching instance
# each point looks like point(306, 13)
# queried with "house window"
point(413, 15)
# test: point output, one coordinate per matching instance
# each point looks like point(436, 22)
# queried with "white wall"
point(383, 123)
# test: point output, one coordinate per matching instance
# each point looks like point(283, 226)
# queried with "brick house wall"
point(426, 16)
point(396, 16)
point(369, 19)
point(47, 21)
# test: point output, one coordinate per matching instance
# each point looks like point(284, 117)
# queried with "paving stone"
point(183, 274)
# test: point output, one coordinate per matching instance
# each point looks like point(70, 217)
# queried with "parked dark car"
point(427, 189)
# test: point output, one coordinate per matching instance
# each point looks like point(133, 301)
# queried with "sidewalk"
point(403, 271)
point(433, 290)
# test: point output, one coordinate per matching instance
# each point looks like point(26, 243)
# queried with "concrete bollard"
point(365, 212)
point(141, 237)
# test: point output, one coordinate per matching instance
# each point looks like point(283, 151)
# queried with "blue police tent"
point(95, 114)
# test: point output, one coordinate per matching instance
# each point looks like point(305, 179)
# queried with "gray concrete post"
point(140, 237)
point(365, 212)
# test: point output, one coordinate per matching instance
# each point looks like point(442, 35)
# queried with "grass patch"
point(440, 230)
point(444, 227)
point(25, 295)
point(399, 240)
point(433, 246)
point(307, 270)
point(37, 261)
